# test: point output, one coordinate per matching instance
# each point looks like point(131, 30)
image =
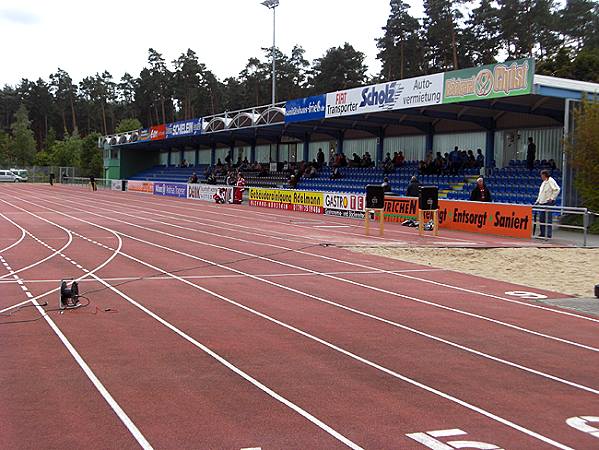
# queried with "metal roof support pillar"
point(489, 148)
point(232, 160)
point(168, 158)
point(253, 151)
point(306, 149)
point(213, 153)
point(278, 151)
point(196, 158)
point(182, 155)
point(380, 146)
point(340, 142)
point(430, 136)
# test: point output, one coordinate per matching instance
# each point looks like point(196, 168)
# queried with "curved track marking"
point(87, 274)
point(330, 345)
point(185, 218)
point(14, 244)
point(355, 283)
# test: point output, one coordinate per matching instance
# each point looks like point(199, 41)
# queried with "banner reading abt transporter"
point(402, 94)
point(303, 201)
point(344, 205)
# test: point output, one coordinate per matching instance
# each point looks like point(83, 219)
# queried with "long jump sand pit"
point(573, 271)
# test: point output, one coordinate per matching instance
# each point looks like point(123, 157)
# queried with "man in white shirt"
point(548, 193)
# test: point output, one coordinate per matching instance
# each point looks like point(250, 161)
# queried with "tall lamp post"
point(272, 4)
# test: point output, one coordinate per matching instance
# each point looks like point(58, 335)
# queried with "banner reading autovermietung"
point(409, 93)
point(507, 79)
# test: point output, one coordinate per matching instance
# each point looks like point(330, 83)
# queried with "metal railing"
point(549, 217)
point(101, 183)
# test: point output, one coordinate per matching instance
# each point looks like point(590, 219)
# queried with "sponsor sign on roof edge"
point(408, 93)
point(303, 109)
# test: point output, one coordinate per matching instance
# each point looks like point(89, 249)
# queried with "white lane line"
point(207, 350)
point(208, 277)
point(366, 286)
point(186, 218)
point(330, 345)
point(139, 437)
point(99, 267)
point(29, 294)
point(5, 249)
point(356, 357)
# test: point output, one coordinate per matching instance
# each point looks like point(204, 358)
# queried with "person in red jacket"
point(238, 190)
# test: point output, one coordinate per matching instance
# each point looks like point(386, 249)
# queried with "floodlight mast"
point(272, 4)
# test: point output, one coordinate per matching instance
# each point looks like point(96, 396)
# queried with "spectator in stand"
point(454, 156)
point(211, 178)
point(355, 161)
point(471, 159)
point(184, 164)
point(438, 164)
point(293, 182)
point(367, 160)
point(480, 193)
point(311, 171)
point(413, 188)
point(446, 164)
point(551, 164)
point(320, 158)
point(228, 159)
point(193, 179)
point(239, 161)
point(332, 158)
point(388, 166)
point(398, 159)
point(336, 174)
point(219, 163)
point(548, 193)
point(386, 185)
point(531, 153)
point(480, 159)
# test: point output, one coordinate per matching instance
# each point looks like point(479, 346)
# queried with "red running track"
point(231, 327)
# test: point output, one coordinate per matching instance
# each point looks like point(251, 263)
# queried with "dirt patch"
point(573, 271)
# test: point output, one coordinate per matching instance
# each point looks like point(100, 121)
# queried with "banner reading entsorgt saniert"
point(303, 201)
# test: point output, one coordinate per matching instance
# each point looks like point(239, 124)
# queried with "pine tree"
point(483, 26)
point(400, 49)
point(22, 146)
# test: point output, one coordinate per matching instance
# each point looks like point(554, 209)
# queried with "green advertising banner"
point(506, 79)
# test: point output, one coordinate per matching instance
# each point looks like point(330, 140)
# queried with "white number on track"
point(581, 423)
point(428, 440)
point(526, 294)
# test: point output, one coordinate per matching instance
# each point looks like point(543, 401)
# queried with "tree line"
point(453, 34)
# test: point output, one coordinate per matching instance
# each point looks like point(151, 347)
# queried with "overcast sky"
point(84, 37)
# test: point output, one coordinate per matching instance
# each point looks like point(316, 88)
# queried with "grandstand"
point(497, 122)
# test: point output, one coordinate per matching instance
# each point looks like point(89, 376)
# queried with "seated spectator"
point(311, 171)
point(388, 166)
point(336, 174)
point(386, 185)
point(438, 164)
point(356, 161)
point(184, 163)
point(219, 163)
point(292, 182)
point(211, 178)
point(193, 179)
point(367, 160)
point(413, 188)
point(551, 164)
point(400, 160)
point(480, 193)
point(480, 159)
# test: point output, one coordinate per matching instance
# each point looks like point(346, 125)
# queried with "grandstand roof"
point(508, 101)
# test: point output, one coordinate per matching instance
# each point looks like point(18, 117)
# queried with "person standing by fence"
point(548, 193)
point(92, 183)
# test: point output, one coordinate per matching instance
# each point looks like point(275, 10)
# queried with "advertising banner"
point(303, 201)
point(302, 109)
point(344, 205)
point(205, 192)
point(170, 189)
point(147, 187)
point(184, 128)
point(400, 209)
point(116, 185)
point(144, 135)
point(409, 93)
point(476, 217)
point(493, 81)
point(158, 132)
point(489, 218)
